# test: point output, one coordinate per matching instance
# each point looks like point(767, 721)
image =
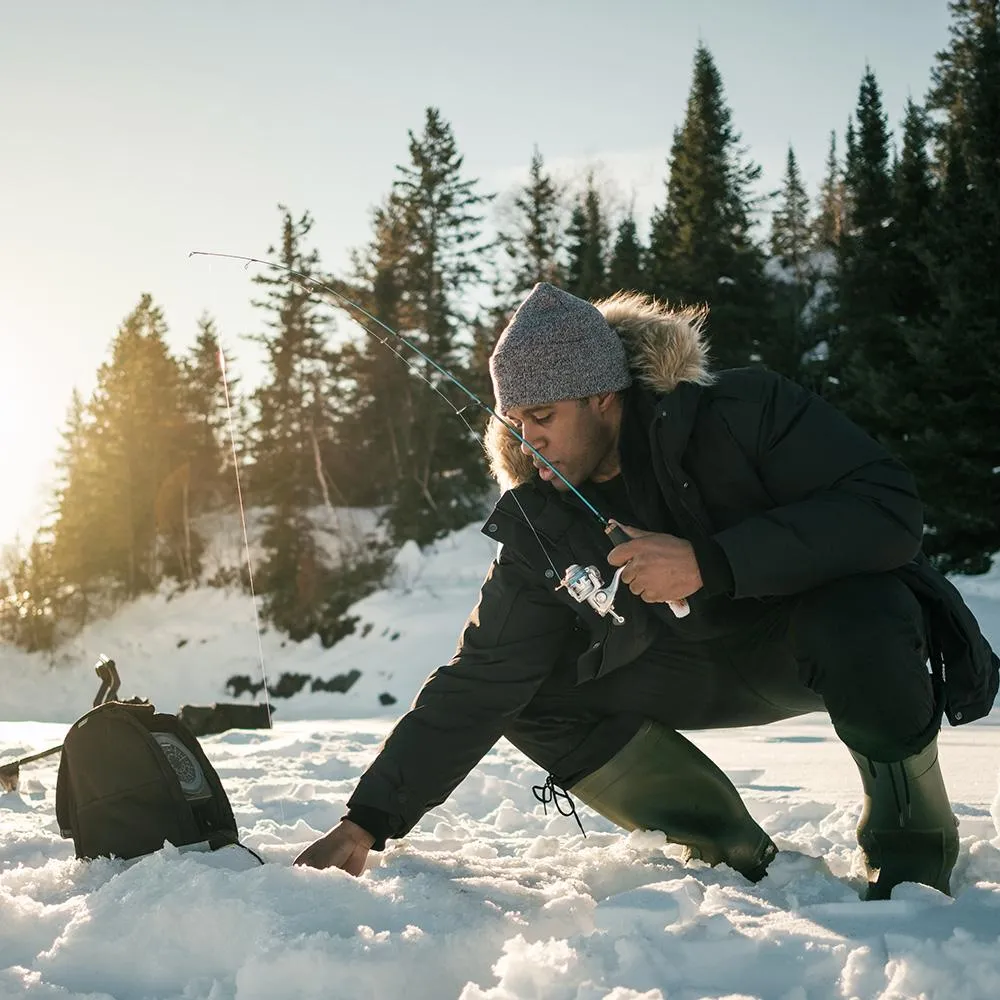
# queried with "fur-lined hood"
point(664, 348)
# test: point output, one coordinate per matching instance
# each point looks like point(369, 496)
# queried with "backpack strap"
point(210, 802)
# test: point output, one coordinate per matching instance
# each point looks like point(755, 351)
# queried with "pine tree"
point(867, 173)
point(531, 241)
point(297, 355)
point(626, 271)
point(121, 515)
point(827, 231)
point(28, 587)
point(75, 516)
point(790, 224)
point(965, 84)
point(205, 397)
point(868, 347)
point(955, 448)
point(850, 153)
point(375, 420)
point(900, 383)
point(429, 254)
point(587, 245)
point(293, 414)
point(829, 222)
point(701, 247)
point(793, 274)
point(913, 194)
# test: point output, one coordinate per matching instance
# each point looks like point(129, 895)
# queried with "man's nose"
point(530, 443)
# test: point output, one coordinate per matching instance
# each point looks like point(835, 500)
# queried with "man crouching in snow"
point(787, 529)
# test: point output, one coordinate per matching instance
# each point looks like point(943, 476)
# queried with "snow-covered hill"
point(182, 647)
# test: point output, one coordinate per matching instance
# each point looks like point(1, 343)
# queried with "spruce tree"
point(829, 222)
point(956, 445)
point(793, 274)
point(828, 227)
point(375, 398)
point(965, 85)
point(297, 352)
point(205, 397)
point(126, 480)
point(790, 223)
point(900, 384)
point(431, 253)
point(626, 271)
point(587, 245)
point(77, 509)
point(701, 246)
point(913, 194)
point(531, 240)
point(28, 608)
point(868, 347)
point(292, 409)
point(850, 152)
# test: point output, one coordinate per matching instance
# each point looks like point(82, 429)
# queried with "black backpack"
point(964, 664)
point(131, 778)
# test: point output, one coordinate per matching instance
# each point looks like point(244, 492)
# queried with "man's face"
point(578, 436)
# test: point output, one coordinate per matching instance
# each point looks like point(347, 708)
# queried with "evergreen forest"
point(880, 291)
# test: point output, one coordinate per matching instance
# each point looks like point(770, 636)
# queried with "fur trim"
point(664, 348)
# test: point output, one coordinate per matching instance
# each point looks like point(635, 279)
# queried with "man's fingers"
point(325, 853)
point(617, 557)
point(625, 551)
point(310, 857)
point(305, 859)
point(621, 554)
point(355, 864)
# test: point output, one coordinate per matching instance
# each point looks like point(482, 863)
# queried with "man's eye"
point(543, 420)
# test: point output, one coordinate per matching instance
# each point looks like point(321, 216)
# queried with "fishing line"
point(459, 411)
point(246, 547)
point(246, 536)
point(584, 584)
point(416, 350)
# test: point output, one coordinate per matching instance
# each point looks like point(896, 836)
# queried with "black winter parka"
point(777, 491)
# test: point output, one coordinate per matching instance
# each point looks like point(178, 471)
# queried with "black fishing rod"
point(583, 583)
point(106, 670)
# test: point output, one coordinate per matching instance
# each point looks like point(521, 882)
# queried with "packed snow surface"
point(488, 897)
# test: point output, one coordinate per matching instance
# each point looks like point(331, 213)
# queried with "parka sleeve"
point(843, 505)
point(512, 639)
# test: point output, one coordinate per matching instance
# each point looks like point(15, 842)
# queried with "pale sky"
point(134, 132)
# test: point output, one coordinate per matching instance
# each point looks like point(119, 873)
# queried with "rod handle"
point(619, 536)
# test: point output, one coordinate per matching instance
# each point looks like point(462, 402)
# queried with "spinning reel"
point(585, 585)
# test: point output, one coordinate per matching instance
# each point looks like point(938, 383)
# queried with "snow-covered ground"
point(488, 897)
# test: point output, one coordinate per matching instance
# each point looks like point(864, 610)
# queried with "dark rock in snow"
point(341, 683)
point(204, 720)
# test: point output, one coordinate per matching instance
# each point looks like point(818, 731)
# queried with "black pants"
point(854, 648)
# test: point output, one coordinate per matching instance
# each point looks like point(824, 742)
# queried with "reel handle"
point(619, 536)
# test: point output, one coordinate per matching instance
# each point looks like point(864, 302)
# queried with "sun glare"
point(26, 453)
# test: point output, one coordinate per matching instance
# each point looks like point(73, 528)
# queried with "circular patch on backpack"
point(185, 765)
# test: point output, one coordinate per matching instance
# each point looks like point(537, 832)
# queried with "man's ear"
point(605, 400)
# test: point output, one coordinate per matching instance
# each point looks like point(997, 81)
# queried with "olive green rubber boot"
point(907, 831)
point(661, 781)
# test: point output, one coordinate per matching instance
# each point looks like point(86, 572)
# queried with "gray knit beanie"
point(556, 346)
